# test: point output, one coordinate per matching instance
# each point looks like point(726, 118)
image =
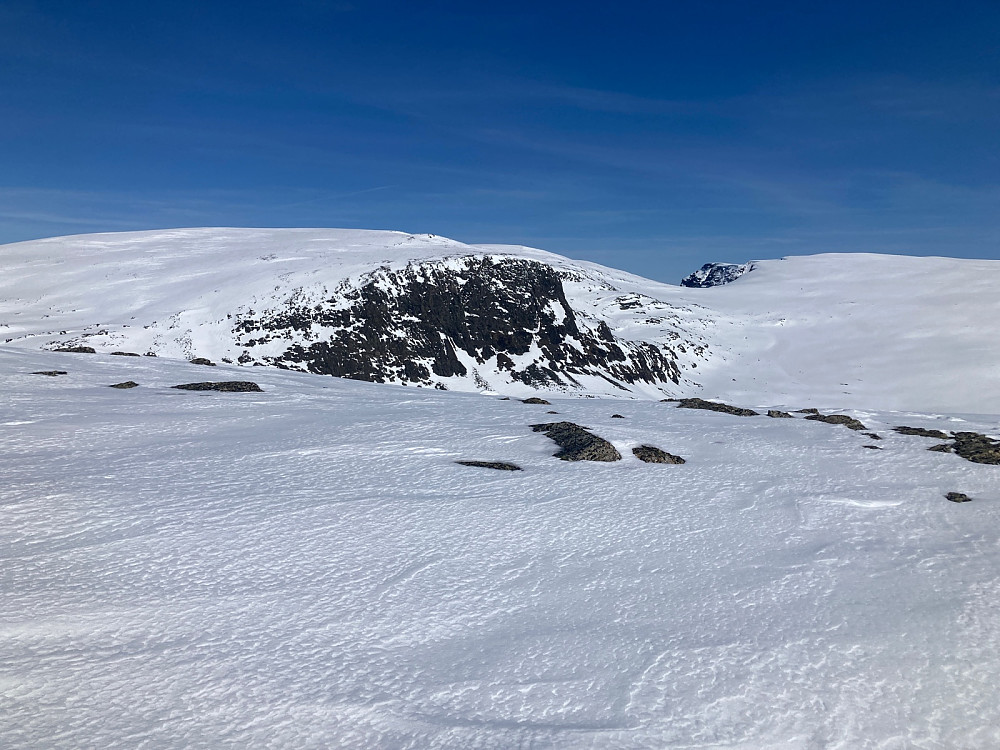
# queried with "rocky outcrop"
point(652, 455)
point(577, 443)
point(431, 321)
point(716, 274)
point(499, 465)
point(127, 384)
point(700, 403)
point(958, 497)
point(849, 422)
point(227, 386)
point(921, 432)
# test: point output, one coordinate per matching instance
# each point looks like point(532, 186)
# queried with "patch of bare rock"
point(126, 384)
point(498, 465)
point(228, 386)
point(653, 455)
point(700, 403)
point(972, 446)
point(849, 422)
point(576, 443)
point(921, 432)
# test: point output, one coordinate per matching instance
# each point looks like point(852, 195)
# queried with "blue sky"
point(651, 136)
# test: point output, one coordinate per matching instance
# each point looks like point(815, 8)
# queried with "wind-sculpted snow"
point(307, 566)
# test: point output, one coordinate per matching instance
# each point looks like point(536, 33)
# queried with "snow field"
point(307, 567)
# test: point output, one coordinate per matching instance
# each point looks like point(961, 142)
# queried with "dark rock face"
point(873, 436)
point(77, 349)
point(698, 403)
point(536, 400)
point(777, 414)
point(942, 448)
point(50, 373)
point(873, 447)
point(229, 386)
point(577, 443)
point(920, 432)
point(202, 361)
point(124, 354)
point(848, 422)
point(716, 274)
point(617, 416)
point(126, 384)
point(653, 455)
point(958, 497)
point(411, 325)
point(499, 465)
point(807, 411)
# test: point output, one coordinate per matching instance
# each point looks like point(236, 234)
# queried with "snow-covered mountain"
point(862, 331)
point(190, 559)
point(378, 306)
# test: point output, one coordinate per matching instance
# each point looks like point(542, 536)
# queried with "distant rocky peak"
point(716, 274)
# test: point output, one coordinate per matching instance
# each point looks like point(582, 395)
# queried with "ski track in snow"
point(308, 567)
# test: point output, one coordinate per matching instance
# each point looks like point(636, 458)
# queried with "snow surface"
point(307, 567)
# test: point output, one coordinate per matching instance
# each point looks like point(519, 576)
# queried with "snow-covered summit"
point(379, 306)
point(838, 330)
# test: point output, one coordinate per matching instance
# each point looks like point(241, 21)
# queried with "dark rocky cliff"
point(430, 321)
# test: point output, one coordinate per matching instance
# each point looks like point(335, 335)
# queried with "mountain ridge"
point(845, 331)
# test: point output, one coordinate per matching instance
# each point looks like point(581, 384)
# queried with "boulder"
point(653, 455)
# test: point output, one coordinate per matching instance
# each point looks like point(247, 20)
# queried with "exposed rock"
point(202, 361)
point(535, 400)
point(617, 416)
point(807, 411)
point(124, 354)
point(551, 412)
point(700, 403)
point(50, 373)
point(577, 443)
point(653, 455)
point(942, 448)
point(423, 323)
point(849, 422)
point(126, 384)
point(958, 497)
point(500, 465)
point(921, 432)
point(977, 448)
point(872, 435)
point(779, 414)
point(77, 349)
point(229, 386)
point(873, 447)
point(716, 274)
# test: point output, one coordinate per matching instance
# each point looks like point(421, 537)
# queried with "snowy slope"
point(307, 567)
point(836, 331)
point(861, 330)
point(382, 306)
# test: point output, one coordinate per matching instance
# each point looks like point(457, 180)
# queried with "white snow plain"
point(307, 567)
